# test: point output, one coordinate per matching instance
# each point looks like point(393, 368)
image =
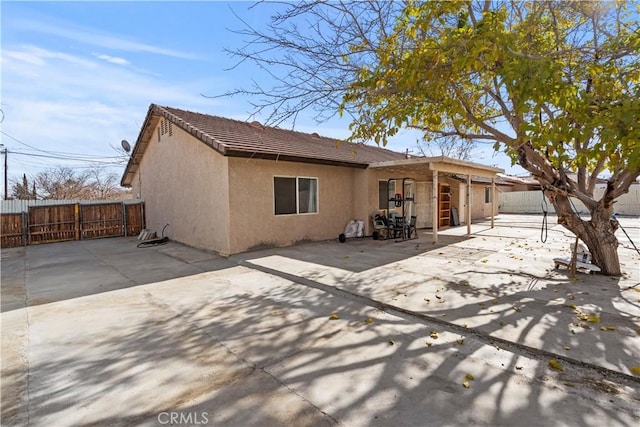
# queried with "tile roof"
point(238, 138)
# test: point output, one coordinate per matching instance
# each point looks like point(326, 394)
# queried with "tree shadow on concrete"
point(358, 254)
point(256, 354)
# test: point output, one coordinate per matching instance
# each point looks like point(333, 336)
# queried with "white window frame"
point(297, 195)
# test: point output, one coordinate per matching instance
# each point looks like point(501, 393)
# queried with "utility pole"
point(4, 151)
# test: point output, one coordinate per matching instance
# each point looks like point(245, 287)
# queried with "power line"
point(75, 159)
point(56, 153)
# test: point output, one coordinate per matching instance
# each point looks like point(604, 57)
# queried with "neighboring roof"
point(484, 180)
point(236, 138)
point(524, 180)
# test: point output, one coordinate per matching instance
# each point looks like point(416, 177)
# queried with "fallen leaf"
point(465, 384)
point(594, 318)
point(635, 370)
point(460, 341)
point(518, 309)
point(334, 316)
point(607, 328)
point(554, 364)
point(391, 342)
point(519, 368)
point(369, 320)
point(434, 335)
point(469, 377)
point(566, 347)
point(429, 344)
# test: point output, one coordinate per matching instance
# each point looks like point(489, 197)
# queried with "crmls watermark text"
point(183, 418)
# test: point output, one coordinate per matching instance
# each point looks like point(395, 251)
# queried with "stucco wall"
point(253, 223)
point(226, 204)
point(184, 183)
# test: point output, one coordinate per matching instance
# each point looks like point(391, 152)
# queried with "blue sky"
point(78, 77)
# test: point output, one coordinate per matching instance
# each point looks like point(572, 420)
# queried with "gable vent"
point(256, 124)
point(315, 136)
point(166, 127)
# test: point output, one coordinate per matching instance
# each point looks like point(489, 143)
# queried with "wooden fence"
point(77, 221)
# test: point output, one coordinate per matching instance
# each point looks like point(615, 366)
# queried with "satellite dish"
point(125, 145)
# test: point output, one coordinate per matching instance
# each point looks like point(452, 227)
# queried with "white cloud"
point(113, 59)
point(33, 55)
point(62, 102)
point(90, 36)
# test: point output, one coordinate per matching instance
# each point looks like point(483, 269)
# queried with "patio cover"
point(441, 164)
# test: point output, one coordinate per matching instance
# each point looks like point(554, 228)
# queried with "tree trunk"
point(598, 233)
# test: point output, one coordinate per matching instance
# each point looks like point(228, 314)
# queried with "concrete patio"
point(458, 333)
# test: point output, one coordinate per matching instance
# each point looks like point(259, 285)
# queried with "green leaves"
point(452, 67)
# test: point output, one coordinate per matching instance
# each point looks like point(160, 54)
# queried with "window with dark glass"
point(383, 197)
point(488, 195)
point(295, 195)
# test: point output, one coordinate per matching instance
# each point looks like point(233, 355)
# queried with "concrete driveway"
point(357, 334)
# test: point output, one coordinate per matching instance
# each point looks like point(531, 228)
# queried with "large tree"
point(66, 183)
point(21, 191)
point(554, 84)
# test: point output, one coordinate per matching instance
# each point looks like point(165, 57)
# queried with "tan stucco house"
point(232, 186)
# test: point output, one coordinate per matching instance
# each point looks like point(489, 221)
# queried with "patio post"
point(468, 204)
point(434, 206)
point(493, 198)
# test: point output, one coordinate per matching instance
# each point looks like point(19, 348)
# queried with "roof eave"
point(140, 147)
point(151, 120)
point(290, 158)
point(442, 164)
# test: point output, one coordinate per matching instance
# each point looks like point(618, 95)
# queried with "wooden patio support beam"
point(468, 212)
point(493, 200)
point(434, 206)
